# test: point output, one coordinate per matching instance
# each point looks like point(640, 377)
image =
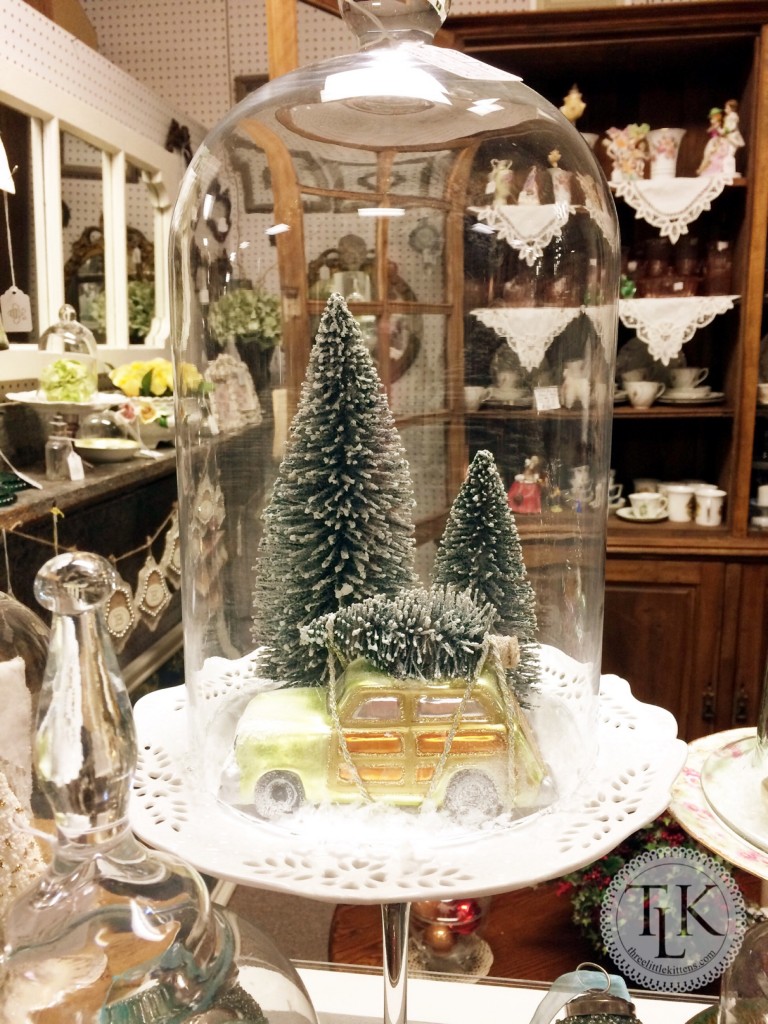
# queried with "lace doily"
point(671, 204)
point(666, 324)
point(528, 330)
point(527, 229)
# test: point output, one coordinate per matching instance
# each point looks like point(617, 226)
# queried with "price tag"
point(546, 398)
point(75, 466)
point(15, 310)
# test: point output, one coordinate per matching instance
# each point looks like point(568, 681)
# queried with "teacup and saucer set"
point(687, 387)
point(645, 507)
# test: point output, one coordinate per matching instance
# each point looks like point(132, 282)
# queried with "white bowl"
point(106, 449)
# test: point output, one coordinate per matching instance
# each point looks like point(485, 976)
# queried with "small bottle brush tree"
point(439, 633)
point(339, 524)
point(480, 552)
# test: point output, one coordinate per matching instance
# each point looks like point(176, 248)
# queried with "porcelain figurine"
point(501, 182)
point(573, 105)
point(718, 153)
point(561, 180)
point(525, 493)
point(628, 149)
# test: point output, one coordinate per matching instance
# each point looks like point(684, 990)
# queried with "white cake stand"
point(343, 857)
point(338, 861)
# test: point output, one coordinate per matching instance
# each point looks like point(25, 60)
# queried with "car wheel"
point(277, 793)
point(471, 793)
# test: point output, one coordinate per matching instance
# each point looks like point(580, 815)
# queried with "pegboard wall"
point(190, 51)
point(79, 71)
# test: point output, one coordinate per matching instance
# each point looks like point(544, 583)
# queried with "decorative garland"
point(148, 600)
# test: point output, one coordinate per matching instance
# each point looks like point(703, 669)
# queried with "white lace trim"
point(597, 210)
point(528, 330)
point(666, 324)
point(605, 322)
point(527, 229)
point(671, 204)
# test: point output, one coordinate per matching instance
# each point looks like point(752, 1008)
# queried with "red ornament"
point(468, 916)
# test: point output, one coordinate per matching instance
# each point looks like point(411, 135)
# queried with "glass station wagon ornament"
point(368, 619)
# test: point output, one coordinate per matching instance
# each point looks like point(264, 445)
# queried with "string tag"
point(16, 311)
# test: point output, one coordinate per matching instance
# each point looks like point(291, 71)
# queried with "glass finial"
point(375, 21)
point(111, 931)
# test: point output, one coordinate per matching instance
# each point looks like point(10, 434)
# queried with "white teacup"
point(643, 393)
point(762, 393)
point(475, 396)
point(648, 504)
point(682, 502)
point(507, 381)
point(686, 377)
point(709, 506)
point(646, 483)
point(630, 375)
point(762, 495)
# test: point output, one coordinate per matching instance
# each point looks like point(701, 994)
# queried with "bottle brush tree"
point(339, 525)
point(480, 551)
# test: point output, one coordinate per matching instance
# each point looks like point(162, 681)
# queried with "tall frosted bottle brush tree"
point(339, 525)
point(480, 552)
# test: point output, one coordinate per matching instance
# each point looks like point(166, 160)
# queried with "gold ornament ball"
point(427, 910)
point(439, 937)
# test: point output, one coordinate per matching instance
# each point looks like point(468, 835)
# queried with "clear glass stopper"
point(376, 21)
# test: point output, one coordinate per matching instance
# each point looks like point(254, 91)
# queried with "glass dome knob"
point(68, 335)
point(374, 22)
point(74, 583)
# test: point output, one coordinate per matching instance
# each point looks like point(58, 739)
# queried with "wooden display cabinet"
point(686, 606)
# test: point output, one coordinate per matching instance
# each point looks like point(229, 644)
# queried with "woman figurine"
point(525, 493)
point(732, 134)
point(717, 148)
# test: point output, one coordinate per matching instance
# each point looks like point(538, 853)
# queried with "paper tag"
point(462, 64)
point(75, 467)
point(546, 398)
point(15, 310)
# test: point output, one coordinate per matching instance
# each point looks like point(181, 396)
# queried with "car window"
point(380, 708)
point(431, 709)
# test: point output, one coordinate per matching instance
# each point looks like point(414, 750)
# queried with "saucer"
point(514, 398)
point(619, 396)
point(688, 392)
point(629, 515)
point(690, 397)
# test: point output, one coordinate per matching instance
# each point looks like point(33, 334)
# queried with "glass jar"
point(307, 535)
point(58, 450)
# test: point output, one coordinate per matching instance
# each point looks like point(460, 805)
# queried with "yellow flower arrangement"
point(153, 378)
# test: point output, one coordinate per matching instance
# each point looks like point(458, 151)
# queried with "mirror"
point(82, 199)
point(15, 133)
point(140, 215)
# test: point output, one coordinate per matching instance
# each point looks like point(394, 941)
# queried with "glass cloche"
point(393, 577)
